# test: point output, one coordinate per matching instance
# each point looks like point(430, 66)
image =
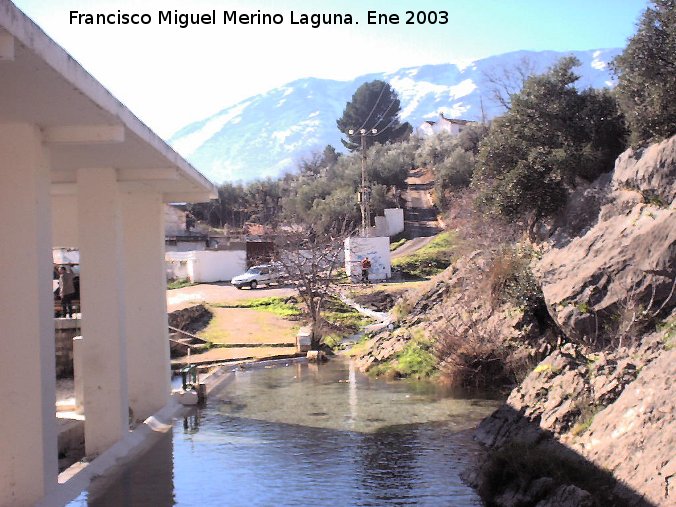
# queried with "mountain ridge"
point(267, 134)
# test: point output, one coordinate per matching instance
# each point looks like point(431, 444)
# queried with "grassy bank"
point(431, 259)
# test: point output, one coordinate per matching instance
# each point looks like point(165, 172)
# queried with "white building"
point(447, 125)
point(79, 170)
point(378, 252)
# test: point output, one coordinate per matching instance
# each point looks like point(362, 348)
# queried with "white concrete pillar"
point(106, 405)
point(28, 441)
point(78, 374)
point(148, 365)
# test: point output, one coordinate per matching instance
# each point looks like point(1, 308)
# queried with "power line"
point(374, 107)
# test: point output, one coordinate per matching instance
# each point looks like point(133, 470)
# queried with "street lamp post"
point(365, 191)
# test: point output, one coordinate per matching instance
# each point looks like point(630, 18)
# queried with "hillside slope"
point(593, 423)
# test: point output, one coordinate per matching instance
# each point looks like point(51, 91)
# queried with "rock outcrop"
point(480, 339)
point(626, 263)
point(615, 410)
point(603, 402)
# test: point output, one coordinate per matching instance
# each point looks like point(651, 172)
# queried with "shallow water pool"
point(308, 435)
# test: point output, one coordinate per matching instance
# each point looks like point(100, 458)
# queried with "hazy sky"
point(169, 76)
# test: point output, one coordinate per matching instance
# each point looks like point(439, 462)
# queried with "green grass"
point(350, 322)
point(332, 341)
point(180, 283)
point(431, 259)
point(415, 360)
point(669, 329)
point(397, 244)
point(275, 305)
point(344, 316)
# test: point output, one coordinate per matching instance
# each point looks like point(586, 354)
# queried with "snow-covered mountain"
point(267, 134)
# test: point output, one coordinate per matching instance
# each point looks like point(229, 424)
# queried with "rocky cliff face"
point(601, 284)
point(604, 401)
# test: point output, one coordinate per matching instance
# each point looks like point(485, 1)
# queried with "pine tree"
point(375, 105)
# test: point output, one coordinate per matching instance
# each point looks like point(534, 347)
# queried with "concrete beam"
point(102, 285)
point(28, 447)
point(150, 174)
point(84, 134)
point(64, 181)
point(6, 46)
point(196, 196)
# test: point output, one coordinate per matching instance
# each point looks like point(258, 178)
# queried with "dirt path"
point(219, 293)
point(268, 334)
point(411, 246)
point(420, 215)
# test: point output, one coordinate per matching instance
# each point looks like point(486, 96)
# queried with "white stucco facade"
point(78, 170)
point(442, 124)
point(377, 249)
point(390, 224)
point(204, 266)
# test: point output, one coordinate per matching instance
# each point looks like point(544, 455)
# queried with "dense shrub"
point(552, 135)
point(647, 75)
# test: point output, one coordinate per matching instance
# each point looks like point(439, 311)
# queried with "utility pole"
point(365, 191)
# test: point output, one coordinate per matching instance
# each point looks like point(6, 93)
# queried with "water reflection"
point(308, 435)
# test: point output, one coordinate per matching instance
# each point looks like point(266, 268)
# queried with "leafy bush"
point(511, 280)
point(647, 75)
point(552, 134)
point(180, 283)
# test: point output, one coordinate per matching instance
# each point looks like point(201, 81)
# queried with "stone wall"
point(64, 332)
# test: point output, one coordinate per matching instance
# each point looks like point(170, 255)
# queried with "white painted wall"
point(102, 288)
point(395, 220)
point(376, 249)
point(391, 224)
point(207, 265)
point(381, 228)
point(28, 446)
point(64, 223)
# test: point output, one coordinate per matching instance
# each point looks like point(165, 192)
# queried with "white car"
point(257, 275)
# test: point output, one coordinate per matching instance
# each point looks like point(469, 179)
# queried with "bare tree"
point(503, 82)
point(310, 261)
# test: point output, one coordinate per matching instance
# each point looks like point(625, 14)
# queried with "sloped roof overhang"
point(82, 123)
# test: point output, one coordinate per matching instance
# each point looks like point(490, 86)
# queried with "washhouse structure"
point(77, 169)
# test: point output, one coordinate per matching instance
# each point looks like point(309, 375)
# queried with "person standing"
point(365, 266)
point(66, 291)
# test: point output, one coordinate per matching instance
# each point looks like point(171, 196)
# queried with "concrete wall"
point(378, 252)
point(206, 266)
point(64, 223)
point(395, 221)
point(391, 224)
